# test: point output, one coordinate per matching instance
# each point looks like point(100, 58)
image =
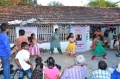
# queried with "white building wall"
point(63, 46)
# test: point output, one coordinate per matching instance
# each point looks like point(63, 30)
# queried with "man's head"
point(24, 45)
point(4, 27)
point(102, 65)
point(56, 30)
point(80, 60)
point(21, 32)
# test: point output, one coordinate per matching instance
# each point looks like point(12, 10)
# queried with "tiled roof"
point(64, 14)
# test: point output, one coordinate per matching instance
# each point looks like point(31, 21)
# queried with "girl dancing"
point(99, 49)
point(71, 49)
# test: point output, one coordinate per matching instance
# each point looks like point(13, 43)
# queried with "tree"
point(18, 2)
point(102, 3)
point(55, 3)
point(5, 2)
point(27, 3)
point(33, 2)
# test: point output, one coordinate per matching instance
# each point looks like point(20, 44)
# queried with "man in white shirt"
point(23, 62)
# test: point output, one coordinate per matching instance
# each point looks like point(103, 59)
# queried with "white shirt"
point(23, 56)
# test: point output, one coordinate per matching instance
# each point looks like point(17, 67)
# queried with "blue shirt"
point(4, 45)
point(115, 75)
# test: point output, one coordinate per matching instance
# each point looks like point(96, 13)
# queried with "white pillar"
point(54, 27)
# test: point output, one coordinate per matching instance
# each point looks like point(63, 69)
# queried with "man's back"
point(19, 41)
point(100, 74)
point(4, 45)
point(76, 72)
point(23, 56)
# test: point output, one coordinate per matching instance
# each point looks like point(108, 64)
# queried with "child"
point(38, 71)
point(17, 44)
point(71, 49)
point(51, 71)
point(34, 49)
point(93, 42)
point(23, 62)
point(99, 49)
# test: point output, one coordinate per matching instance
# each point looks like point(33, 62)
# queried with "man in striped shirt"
point(101, 73)
point(77, 71)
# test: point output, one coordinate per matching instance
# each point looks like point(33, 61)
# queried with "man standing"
point(5, 50)
point(55, 41)
point(17, 44)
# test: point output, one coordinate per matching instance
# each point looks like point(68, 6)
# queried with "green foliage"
point(5, 2)
point(19, 3)
point(55, 3)
point(102, 3)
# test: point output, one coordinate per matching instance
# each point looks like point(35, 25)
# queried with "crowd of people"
point(24, 48)
point(107, 39)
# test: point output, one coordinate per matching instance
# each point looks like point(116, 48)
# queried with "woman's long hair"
point(69, 36)
point(50, 62)
point(94, 36)
point(38, 71)
point(38, 61)
point(31, 37)
point(101, 37)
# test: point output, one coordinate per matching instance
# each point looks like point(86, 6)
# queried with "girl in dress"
point(93, 42)
point(71, 49)
point(34, 49)
point(99, 49)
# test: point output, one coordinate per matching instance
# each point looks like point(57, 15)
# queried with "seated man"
point(115, 72)
point(101, 73)
point(77, 71)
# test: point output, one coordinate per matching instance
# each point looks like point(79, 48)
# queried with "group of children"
point(39, 71)
point(25, 48)
point(97, 46)
point(32, 41)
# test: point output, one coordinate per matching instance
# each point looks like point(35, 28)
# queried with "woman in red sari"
point(93, 42)
point(99, 32)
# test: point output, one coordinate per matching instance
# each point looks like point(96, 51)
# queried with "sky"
point(69, 2)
